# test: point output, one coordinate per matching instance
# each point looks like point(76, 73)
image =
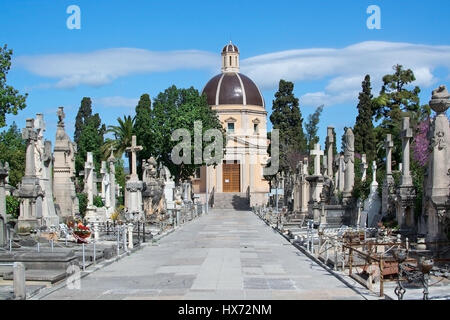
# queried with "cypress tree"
point(286, 116)
point(312, 127)
point(88, 135)
point(364, 131)
point(143, 128)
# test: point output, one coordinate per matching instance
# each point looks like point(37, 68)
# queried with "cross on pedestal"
point(133, 149)
point(316, 153)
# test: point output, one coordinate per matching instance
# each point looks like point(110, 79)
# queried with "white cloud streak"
point(342, 69)
point(346, 67)
point(104, 66)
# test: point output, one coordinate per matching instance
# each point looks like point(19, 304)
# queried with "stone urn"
point(421, 244)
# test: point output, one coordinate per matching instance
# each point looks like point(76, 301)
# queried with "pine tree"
point(286, 117)
point(364, 131)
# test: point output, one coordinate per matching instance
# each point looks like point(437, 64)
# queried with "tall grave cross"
point(133, 149)
point(406, 179)
point(316, 153)
point(388, 144)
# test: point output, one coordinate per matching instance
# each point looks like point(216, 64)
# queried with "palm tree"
point(122, 138)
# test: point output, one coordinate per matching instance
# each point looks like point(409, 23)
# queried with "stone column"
point(3, 175)
point(364, 167)
point(349, 160)
point(341, 174)
point(130, 236)
point(437, 206)
point(389, 180)
point(112, 182)
point(330, 154)
point(3, 219)
point(406, 179)
point(64, 170)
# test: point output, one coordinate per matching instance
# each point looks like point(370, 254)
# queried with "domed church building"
point(241, 109)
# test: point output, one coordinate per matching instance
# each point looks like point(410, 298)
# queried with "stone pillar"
point(341, 171)
point(19, 281)
point(44, 168)
point(112, 182)
point(130, 236)
point(406, 179)
point(3, 218)
point(364, 167)
point(372, 204)
point(406, 194)
point(89, 185)
point(30, 192)
point(64, 170)
point(389, 180)
point(133, 195)
point(330, 154)
point(349, 160)
point(437, 205)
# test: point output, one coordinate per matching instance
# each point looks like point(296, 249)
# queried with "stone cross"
point(330, 137)
point(112, 179)
point(364, 166)
point(316, 153)
point(30, 135)
point(406, 179)
point(388, 144)
point(134, 149)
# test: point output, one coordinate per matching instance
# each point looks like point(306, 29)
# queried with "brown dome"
point(230, 48)
point(232, 88)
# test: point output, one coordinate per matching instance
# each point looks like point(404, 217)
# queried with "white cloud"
point(116, 101)
point(100, 67)
point(343, 69)
point(346, 67)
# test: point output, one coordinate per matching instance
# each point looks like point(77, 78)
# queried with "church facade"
point(241, 110)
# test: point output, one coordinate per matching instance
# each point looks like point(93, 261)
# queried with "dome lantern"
point(230, 58)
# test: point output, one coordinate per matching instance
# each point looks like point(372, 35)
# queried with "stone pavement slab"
point(226, 254)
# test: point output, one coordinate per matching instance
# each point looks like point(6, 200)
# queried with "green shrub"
point(12, 206)
point(98, 202)
point(82, 203)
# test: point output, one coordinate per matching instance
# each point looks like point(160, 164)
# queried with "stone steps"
point(237, 201)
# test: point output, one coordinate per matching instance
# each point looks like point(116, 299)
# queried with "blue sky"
point(126, 48)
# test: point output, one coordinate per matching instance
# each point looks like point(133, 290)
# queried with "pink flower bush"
point(421, 143)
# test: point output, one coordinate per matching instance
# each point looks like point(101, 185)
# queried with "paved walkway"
point(226, 254)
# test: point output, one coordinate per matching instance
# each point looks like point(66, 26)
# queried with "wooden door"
point(231, 177)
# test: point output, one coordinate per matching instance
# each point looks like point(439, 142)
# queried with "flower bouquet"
point(81, 232)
